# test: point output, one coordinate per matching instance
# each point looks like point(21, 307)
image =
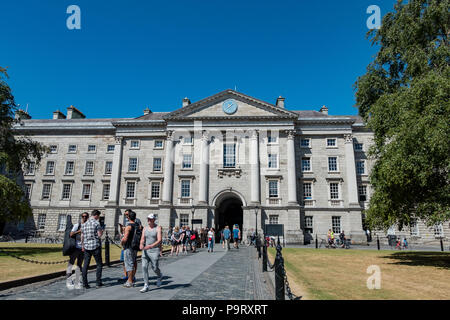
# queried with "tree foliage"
point(405, 99)
point(16, 153)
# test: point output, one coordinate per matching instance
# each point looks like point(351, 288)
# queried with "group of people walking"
point(134, 237)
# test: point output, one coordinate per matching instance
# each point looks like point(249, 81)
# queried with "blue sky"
point(132, 54)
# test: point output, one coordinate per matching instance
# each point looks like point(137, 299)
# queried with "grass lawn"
point(328, 274)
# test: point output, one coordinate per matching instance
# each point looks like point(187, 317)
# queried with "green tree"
point(16, 153)
point(404, 98)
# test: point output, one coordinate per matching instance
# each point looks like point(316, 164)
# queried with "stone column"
point(292, 174)
point(115, 174)
point(255, 173)
point(350, 169)
point(168, 170)
point(204, 161)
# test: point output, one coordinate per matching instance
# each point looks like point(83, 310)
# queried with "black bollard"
point(279, 274)
point(264, 256)
point(107, 260)
point(258, 247)
point(378, 242)
point(317, 243)
point(442, 245)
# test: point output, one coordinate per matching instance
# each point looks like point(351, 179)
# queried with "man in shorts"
point(129, 254)
point(122, 230)
point(236, 236)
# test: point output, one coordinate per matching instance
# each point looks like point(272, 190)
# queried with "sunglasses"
point(85, 217)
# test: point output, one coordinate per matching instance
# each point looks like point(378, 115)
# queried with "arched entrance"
point(228, 213)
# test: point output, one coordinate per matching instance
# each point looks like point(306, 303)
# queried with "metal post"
point(258, 247)
point(378, 242)
point(317, 242)
point(107, 260)
point(279, 275)
point(264, 256)
point(442, 245)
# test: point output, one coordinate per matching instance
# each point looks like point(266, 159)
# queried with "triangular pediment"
point(244, 107)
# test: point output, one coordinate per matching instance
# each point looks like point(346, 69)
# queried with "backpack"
point(136, 241)
point(69, 243)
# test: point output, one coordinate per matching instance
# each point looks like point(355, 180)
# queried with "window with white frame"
point(46, 190)
point(69, 168)
point(360, 167)
point(306, 164)
point(185, 188)
point(414, 228)
point(271, 138)
point(273, 219)
point(50, 168)
point(134, 144)
point(334, 191)
point(158, 144)
point(157, 164)
point(110, 148)
point(106, 191)
point(155, 189)
point(358, 146)
point(89, 169)
point(336, 224)
point(229, 155)
point(331, 142)
point(184, 220)
point(309, 224)
point(28, 187)
point(438, 230)
point(86, 193)
point(53, 148)
point(307, 191)
point(31, 168)
point(62, 219)
point(132, 164)
point(273, 189)
point(131, 189)
point(108, 167)
point(72, 148)
point(305, 142)
point(188, 140)
point(41, 221)
point(332, 164)
point(187, 161)
point(362, 192)
point(92, 148)
point(66, 191)
point(273, 160)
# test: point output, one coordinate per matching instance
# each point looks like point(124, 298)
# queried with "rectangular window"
point(362, 191)
point(309, 224)
point(187, 161)
point(157, 164)
point(158, 144)
point(273, 188)
point(50, 169)
point(358, 147)
point(91, 148)
point(30, 169)
point(271, 138)
point(46, 189)
point(156, 188)
point(41, 221)
point(108, 167)
point(72, 148)
point(331, 142)
point(185, 188)
point(86, 194)
point(438, 230)
point(69, 168)
point(110, 148)
point(273, 160)
point(131, 188)
point(62, 218)
point(305, 143)
point(106, 189)
point(336, 223)
point(67, 188)
point(89, 169)
point(187, 140)
point(132, 165)
point(334, 191)
point(184, 220)
point(229, 155)
point(134, 144)
point(28, 190)
point(360, 167)
point(53, 148)
point(307, 191)
point(332, 164)
point(414, 227)
point(273, 219)
point(306, 164)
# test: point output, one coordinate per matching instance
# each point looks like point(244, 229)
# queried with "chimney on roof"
point(58, 115)
point(147, 111)
point(280, 102)
point(186, 102)
point(324, 110)
point(21, 115)
point(74, 113)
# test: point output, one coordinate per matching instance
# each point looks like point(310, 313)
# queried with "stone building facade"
point(229, 158)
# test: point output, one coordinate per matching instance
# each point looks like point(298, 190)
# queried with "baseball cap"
point(151, 216)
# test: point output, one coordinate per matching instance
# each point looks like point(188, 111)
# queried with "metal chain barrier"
point(112, 241)
point(33, 261)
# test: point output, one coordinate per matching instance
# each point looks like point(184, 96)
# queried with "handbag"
point(193, 237)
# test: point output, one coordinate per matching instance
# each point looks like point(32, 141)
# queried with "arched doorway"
point(228, 213)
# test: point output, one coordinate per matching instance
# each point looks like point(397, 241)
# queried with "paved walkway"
point(197, 276)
